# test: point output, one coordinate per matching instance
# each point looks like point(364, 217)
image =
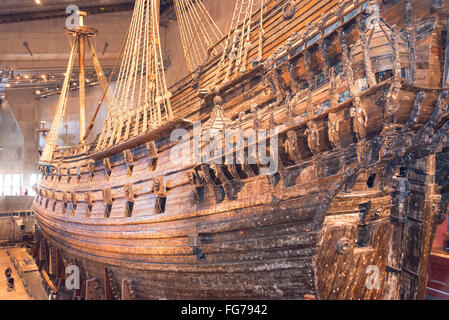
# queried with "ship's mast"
point(81, 36)
point(82, 80)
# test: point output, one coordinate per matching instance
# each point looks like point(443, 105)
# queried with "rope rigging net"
point(141, 98)
point(238, 42)
point(50, 146)
point(199, 32)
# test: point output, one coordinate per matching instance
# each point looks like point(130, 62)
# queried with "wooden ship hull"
point(362, 181)
point(438, 267)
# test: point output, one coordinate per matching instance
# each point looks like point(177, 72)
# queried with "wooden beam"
point(82, 86)
point(92, 290)
point(428, 226)
point(109, 287)
point(128, 292)
point(52, 261)
point(48, 281)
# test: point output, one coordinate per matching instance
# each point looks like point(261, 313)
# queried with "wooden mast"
point(82, 34)
point(82, 88)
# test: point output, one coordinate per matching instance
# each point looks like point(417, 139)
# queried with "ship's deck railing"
point(20, 213)
point(72, 151)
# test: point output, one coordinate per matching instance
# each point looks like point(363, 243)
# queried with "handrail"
point(4, 214)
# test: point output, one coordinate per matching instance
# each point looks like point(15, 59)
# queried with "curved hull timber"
point(361, 185)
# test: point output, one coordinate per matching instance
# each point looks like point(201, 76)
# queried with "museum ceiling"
point(28, 10)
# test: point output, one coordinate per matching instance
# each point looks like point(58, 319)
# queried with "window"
point(13, 184)
point(107, 210)
point(129, 209)
point(7, 185)
point(17, 184)
point(160, 204)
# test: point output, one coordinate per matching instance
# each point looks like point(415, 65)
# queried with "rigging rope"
point(50, 146)
point(141, 92)
point(107, 96)
point(238, 42)
point(199, 32)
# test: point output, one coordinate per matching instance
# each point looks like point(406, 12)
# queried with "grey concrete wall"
point(71, 136)
point(11, 204)
point(11, 141)
point(25, 111)
point(10, 227)
point(7, 228)
point(49, 45)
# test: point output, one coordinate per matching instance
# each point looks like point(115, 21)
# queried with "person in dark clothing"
point(8, 273)
point(10, 283)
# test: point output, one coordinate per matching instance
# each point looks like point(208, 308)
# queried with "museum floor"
point(19, 293)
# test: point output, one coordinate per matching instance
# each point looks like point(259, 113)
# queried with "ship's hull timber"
point(341, 202)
